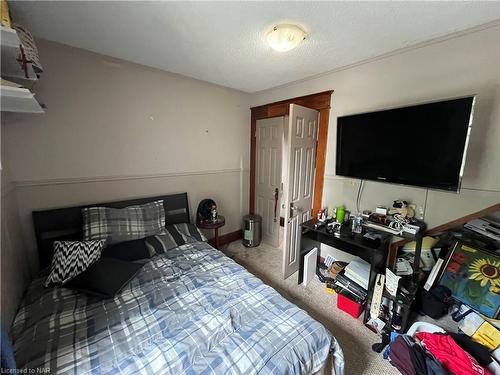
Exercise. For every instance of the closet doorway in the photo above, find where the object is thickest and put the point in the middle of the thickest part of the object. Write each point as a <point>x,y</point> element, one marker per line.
<point>269,181</point>
<point>288,147</point>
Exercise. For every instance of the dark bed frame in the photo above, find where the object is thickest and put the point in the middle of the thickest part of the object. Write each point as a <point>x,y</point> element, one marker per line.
<point>66,224</point>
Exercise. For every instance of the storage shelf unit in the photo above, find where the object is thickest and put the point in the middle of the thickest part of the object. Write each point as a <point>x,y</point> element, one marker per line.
<point>16,99</point>
<point>9,37</point>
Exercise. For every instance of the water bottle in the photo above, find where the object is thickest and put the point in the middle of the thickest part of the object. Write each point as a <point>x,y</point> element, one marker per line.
<point>340,214</point>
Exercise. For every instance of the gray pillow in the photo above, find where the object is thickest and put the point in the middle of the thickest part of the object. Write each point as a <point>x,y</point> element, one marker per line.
<point>117,225</point>
<point>174,235</point>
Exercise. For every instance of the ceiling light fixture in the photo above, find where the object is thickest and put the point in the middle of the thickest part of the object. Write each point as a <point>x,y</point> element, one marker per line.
<point>285,37</point>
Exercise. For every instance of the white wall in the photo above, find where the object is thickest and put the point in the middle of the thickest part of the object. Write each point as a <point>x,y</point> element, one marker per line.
<point>15,273</point>
<point>115,130</point>
<point>107,117</point>
<point>468,64</point>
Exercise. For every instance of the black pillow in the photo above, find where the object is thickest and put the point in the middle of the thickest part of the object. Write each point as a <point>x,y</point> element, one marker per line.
<point>104,278</point>
<point>129,250</point>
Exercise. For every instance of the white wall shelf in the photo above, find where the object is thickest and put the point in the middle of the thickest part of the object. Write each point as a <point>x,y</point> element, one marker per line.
<point>9,37</point>
<point>18,99</point>
<point>11,52</point>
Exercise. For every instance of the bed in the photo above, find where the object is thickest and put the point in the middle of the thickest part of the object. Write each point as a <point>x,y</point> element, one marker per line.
<point>191,310</point>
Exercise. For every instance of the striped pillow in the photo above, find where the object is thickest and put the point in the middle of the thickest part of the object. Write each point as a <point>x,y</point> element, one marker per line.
<point>174,235</point>
<point>117,225</point>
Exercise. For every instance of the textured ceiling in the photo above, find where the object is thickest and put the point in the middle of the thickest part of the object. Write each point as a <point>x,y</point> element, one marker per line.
<point>224,42</point>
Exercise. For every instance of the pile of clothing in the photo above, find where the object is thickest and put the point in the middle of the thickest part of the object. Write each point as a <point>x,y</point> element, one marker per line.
<point>439,354</point>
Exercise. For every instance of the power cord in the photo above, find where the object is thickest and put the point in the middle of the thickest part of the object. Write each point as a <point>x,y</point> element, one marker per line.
<point>422,214</point>
<point>398,222</point>
<point>358,196</point>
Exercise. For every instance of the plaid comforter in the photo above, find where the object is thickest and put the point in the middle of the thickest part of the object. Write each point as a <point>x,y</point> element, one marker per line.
<point>189,311</point>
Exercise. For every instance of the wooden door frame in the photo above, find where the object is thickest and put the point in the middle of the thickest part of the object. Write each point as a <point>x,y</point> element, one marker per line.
<point>320,102</point>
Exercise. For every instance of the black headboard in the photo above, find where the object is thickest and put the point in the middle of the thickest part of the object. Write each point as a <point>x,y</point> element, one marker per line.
<point>66,224</point>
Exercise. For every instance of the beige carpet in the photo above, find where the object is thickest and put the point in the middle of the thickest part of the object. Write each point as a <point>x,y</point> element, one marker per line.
<point>356,340</point>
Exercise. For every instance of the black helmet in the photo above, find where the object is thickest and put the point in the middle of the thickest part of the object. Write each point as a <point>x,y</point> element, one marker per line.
<point>204,210</point>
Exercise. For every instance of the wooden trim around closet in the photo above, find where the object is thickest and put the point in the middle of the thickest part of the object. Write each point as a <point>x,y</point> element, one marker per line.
<point>320,102</point>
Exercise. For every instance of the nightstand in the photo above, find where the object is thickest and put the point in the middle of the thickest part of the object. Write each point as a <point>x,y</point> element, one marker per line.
<point>215,225</point>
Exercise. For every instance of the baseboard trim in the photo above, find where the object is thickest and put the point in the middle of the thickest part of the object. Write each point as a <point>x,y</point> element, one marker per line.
<point>227,238</point>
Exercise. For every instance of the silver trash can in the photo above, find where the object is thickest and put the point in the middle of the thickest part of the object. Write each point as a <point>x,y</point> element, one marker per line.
<point>252,229</point>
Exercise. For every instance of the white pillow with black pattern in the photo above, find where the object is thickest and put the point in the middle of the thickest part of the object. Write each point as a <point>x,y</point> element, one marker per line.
<point>71,258</point>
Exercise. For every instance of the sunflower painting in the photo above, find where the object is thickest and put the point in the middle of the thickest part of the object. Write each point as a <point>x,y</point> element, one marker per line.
<point>473,276</point>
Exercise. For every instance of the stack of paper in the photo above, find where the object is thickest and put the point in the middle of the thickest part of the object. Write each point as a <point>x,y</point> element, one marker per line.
<point>359,272</point>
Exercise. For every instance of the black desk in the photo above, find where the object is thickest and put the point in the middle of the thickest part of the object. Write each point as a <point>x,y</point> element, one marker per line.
<point>354,244</point>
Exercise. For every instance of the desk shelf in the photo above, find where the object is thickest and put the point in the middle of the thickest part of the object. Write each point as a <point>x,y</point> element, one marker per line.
<point>374,253</point>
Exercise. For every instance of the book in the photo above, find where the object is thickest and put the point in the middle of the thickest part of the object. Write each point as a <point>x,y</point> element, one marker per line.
<point>310,260</point>
<point>342,282</point>
<point>433,275</point>
<point>361,282</point>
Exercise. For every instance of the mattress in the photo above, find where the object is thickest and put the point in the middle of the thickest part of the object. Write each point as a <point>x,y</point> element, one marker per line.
<point>190,311</point>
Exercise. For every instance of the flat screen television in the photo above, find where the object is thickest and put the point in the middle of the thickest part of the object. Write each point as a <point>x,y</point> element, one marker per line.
<point>421,145</point>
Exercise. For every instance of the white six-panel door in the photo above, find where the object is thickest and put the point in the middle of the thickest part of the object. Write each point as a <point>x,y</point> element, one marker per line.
<point>269,140</point>
<point>302,134</point>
